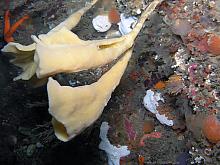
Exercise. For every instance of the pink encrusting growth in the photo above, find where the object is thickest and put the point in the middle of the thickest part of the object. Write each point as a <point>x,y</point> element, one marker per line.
<point>130,130</point>
<point>156,135</point>
<point>191,71</point>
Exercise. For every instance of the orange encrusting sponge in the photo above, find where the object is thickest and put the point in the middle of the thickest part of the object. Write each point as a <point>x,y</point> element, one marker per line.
<point>211,128</point>
<point>214,45</point>
<point>114,16</point>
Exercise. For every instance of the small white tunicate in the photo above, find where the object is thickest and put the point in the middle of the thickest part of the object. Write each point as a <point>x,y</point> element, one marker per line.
<point>138,11</point>
<point>101,23</point>
<point>164,120</point>
<point>126,24</point>
<point>114,153</point>
<point>151,101</point>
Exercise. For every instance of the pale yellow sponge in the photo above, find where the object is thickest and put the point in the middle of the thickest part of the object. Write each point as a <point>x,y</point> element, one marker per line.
<point>75,108</point>
<point>64,52</point>
<point>24,55</point>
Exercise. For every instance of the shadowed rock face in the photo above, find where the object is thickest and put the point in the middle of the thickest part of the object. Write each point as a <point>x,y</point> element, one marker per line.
<point>2,76</point>
<point>4,68</point>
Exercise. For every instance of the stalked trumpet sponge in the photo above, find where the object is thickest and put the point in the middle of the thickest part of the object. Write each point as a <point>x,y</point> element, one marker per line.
<point>74,54</point>
<point>24,58</point>
<point>60,50</point>
<point>75,108</point>
<point>24,55</point>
